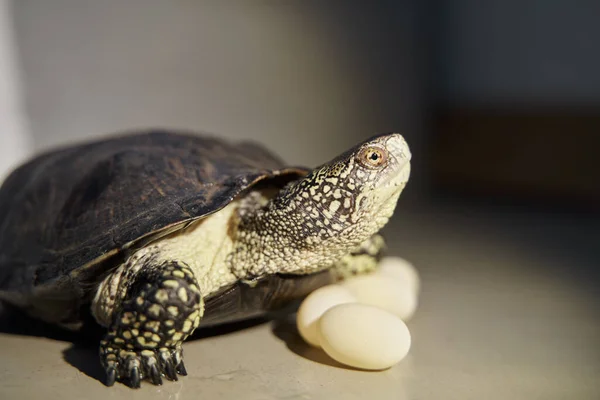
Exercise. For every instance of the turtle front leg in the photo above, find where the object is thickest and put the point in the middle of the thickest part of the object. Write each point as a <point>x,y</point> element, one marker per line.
<point>155,308</point>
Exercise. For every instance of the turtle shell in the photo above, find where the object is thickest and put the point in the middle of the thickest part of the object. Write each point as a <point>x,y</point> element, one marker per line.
<point>67,215</point>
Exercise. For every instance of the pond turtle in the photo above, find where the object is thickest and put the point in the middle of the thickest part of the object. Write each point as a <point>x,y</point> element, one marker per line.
<point>155,233</point>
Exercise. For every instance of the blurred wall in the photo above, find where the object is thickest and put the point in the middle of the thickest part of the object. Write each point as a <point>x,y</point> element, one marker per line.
<point>516,91</point>
<point>310,78</point>
<point>516,51</point>
<point>14,135</point>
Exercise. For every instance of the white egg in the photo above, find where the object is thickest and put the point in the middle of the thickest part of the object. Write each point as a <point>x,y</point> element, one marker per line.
<point>363,336</point>
<point>401,269</point>
<point>387,292</point>
<point>315,305</point>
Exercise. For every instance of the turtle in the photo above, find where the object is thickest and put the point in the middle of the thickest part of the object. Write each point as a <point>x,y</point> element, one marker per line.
<point>153,233</point>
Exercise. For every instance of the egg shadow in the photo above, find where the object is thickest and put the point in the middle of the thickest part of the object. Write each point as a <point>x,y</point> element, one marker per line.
<point>284,328</point>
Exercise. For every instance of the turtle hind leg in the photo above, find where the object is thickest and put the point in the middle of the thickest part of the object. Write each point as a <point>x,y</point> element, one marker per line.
<point>361,260</point>
<point>161,308</point>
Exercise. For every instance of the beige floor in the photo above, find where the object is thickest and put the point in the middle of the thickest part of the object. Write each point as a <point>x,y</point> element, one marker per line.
<point>509,310</point>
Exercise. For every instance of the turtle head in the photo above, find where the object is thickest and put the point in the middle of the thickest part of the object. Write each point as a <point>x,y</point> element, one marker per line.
<point>356,193</point>
<point>315,221</point>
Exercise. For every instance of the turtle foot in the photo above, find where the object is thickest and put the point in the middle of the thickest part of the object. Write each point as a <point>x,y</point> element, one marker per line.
<point>133,366</point>
<point>144,341</point>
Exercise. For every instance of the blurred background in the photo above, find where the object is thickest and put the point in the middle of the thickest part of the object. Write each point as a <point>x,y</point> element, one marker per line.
<point>499,100</point>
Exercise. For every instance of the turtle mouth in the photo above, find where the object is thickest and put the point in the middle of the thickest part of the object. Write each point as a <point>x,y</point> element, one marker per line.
<point>401,172</point>
<point>394,184</point>
<point>398,169</point>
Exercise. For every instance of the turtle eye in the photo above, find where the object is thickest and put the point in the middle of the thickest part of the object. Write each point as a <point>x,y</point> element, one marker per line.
<point>372,157</point>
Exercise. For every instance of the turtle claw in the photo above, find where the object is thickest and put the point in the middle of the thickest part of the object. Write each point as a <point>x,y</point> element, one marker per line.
<point>134,378</point>
<point>111,375</point>
<point>133,366</point>
<point>155,376</point>
<point>170,370</point>
<point>181,369</point>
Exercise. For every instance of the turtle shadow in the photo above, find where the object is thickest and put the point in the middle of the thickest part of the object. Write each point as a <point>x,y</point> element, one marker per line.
<point>223,329</point>
<point>284,328</point>
<point>15,322</point>
<point>84,357</point>
<point>81,354</point>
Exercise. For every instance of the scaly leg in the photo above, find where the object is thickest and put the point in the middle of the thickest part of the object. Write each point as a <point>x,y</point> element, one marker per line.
<point>155,307</point>
<point>363,259</point>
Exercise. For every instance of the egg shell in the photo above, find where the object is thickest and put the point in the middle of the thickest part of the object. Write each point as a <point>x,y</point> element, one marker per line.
<point>363,336</point>
<point>400,269</point>
<point>387,292</point>
<point>314,305</point>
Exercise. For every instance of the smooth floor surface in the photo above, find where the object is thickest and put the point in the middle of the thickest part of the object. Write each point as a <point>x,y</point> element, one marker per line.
<point>509,310</point>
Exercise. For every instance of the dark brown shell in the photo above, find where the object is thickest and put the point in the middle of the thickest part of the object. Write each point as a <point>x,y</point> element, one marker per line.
<point>65,210</point>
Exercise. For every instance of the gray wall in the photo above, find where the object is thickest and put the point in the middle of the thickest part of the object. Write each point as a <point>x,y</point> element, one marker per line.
<point>14,138</point>
<point>308,77</point>
<point>532,51</point>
